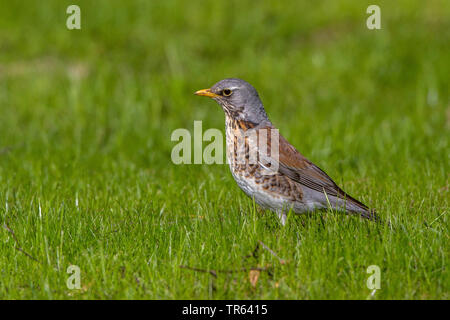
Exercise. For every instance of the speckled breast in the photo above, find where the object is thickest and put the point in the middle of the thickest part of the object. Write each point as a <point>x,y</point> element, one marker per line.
<point>268,190</point>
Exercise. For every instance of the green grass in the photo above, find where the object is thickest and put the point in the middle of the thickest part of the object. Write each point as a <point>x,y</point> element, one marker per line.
<point>86,176</point>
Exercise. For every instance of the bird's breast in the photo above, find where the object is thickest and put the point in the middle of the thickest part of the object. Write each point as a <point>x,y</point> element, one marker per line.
<point>269,189</point>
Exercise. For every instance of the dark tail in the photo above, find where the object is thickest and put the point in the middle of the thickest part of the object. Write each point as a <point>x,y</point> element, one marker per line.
<point>360,208</point>
<point>371,215</point>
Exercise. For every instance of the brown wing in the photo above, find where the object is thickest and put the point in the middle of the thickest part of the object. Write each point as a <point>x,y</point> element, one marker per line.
<point>295,166</point>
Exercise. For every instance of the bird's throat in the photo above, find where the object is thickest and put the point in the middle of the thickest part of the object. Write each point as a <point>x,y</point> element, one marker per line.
<point>239,124</point>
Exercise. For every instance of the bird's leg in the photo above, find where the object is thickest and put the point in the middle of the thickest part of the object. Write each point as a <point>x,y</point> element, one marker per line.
<point>282,215</point>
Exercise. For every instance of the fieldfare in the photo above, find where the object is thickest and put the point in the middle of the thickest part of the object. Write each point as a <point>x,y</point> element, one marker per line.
<point>270,170</point>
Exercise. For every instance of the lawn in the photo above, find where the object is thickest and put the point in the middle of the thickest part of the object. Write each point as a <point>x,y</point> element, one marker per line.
<point>86,176</point>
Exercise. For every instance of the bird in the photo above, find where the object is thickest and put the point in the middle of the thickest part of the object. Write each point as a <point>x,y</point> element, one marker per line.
<point>266,166</point>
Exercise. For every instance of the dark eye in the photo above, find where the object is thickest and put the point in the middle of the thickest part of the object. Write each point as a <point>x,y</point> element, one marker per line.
<point>226,92</point>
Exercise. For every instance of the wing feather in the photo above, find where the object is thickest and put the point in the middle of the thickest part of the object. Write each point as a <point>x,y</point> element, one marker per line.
<point>294,165</point>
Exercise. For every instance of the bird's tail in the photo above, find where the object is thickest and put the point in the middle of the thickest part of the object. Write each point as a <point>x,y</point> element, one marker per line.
<point>357,207</point>
<point>371,215</point>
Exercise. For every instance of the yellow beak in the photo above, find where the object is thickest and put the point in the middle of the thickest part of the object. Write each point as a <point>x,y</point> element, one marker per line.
<point>207,93</point>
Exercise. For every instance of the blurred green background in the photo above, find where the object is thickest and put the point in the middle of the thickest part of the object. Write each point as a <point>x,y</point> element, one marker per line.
<point>86,117</point>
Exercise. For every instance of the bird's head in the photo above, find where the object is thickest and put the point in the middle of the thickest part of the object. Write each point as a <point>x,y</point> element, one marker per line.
<point>238,99</point>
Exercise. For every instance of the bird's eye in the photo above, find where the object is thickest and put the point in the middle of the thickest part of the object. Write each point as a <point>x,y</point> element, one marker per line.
<point>226,92</point>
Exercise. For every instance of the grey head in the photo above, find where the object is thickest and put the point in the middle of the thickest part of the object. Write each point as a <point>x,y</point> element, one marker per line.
<point>238,100</point>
